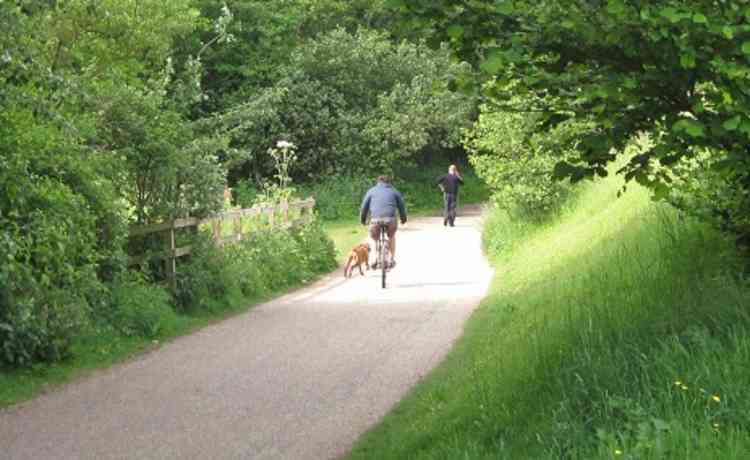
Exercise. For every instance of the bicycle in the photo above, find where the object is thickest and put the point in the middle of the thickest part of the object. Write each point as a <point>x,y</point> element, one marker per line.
<point>381,250</point>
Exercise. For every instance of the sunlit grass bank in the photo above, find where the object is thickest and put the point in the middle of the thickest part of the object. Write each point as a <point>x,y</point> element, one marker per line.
<point>621,330</point>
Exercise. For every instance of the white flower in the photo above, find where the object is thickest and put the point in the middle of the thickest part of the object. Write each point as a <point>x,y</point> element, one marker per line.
<point>284,145</point>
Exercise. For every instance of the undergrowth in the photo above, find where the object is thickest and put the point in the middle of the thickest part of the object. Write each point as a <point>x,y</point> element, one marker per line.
<point>212,284</point>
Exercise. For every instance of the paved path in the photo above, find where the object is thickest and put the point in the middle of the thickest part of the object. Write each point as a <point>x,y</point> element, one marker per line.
<point>296,378</point>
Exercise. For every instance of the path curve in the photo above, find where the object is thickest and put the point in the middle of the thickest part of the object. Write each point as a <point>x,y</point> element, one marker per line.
<point>300,377</point>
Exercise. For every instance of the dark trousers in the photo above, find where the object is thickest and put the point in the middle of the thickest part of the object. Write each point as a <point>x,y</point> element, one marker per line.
<point>449,212</point>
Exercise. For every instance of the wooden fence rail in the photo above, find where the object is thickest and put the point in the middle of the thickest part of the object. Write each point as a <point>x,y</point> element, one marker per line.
<point>277,216</point>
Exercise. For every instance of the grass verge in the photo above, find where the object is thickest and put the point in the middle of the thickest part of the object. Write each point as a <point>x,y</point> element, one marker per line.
<point>621,330</point>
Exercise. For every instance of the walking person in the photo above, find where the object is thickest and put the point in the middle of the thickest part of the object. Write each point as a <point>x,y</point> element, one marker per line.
<point>449,185</point>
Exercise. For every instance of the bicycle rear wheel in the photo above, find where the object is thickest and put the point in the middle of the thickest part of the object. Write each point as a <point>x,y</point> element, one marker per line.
<point>383,254</point>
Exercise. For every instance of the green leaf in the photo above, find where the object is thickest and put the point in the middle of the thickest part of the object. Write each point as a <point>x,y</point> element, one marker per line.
<point>505,7</point>
<point>687,60</point>
<point>455,31</point>
<point>746,47</point>
<point>724,166</point>
<point>395,4</point>
<point>699,18</point>
<point>563,170</point>
<point>493,63</point>
<point>616,7</point>
<point>691,127</point>
<point>660,192</point>
<point>733,123</point>
<point>671,14</point>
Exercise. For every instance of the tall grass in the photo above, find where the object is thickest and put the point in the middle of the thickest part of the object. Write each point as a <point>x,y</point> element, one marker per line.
<point>621,330</point>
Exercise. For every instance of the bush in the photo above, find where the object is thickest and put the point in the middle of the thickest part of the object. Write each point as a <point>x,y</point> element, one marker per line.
<point>317,251</point>
<point>705,187</point>
<point>338,197</point>
<point>352,103</point>
<point>517,159</point>
<point>204,282</point>
<point>244,193</point>
<point>139,308</point>
<point>59,235</point>
<point>268,261</point>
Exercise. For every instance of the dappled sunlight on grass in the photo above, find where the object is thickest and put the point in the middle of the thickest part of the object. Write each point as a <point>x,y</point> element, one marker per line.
<point>590,319</point>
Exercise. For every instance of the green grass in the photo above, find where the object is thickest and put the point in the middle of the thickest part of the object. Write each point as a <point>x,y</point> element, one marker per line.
<point>576,353</point>
<point>345,234</point>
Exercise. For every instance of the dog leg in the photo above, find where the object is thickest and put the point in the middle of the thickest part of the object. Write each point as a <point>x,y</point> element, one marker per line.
<point>347,272</point>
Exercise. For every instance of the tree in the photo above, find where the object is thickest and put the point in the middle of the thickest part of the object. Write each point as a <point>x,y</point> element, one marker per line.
<point>266,33</point>
<point>676,70</point>
<point>351,103</point>
<point>88,134</point>
<point>516,157</point>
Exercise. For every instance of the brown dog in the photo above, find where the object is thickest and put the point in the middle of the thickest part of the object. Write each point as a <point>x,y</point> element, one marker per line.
<point>359,255</point>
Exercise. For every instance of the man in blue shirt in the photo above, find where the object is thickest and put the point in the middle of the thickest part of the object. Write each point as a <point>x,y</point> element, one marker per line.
<point>381,203</point>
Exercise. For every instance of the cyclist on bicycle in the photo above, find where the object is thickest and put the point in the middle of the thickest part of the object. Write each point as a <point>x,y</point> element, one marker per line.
<point>381,203</point>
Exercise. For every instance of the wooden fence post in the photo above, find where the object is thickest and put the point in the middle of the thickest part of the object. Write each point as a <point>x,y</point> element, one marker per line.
<point>216,226</point>
<point>169,229</point>
<point>285,211</point>
<point>308,210</point>
<point>237,222</point>
<point>171,260</point>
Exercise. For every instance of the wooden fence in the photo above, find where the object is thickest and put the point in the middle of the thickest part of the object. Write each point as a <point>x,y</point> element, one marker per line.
<point>284,215</point>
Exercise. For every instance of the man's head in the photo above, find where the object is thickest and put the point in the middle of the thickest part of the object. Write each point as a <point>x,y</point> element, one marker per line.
<point>452,169</point>
<point>384,179</point>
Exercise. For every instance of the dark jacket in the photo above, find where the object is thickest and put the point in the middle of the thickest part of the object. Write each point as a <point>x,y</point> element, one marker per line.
<point>450,183</point>
<point>382,201</point>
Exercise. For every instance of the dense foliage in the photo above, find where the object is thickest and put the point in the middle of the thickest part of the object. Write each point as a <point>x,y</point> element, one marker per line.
<point>516,156</point>
<point>351,102</point>
<point>108,117</point>
<point>676,70</point>
<point>265,35</point>
<point>214,279</point>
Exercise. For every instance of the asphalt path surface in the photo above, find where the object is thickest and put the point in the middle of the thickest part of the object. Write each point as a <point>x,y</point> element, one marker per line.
<point>300,377</point>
